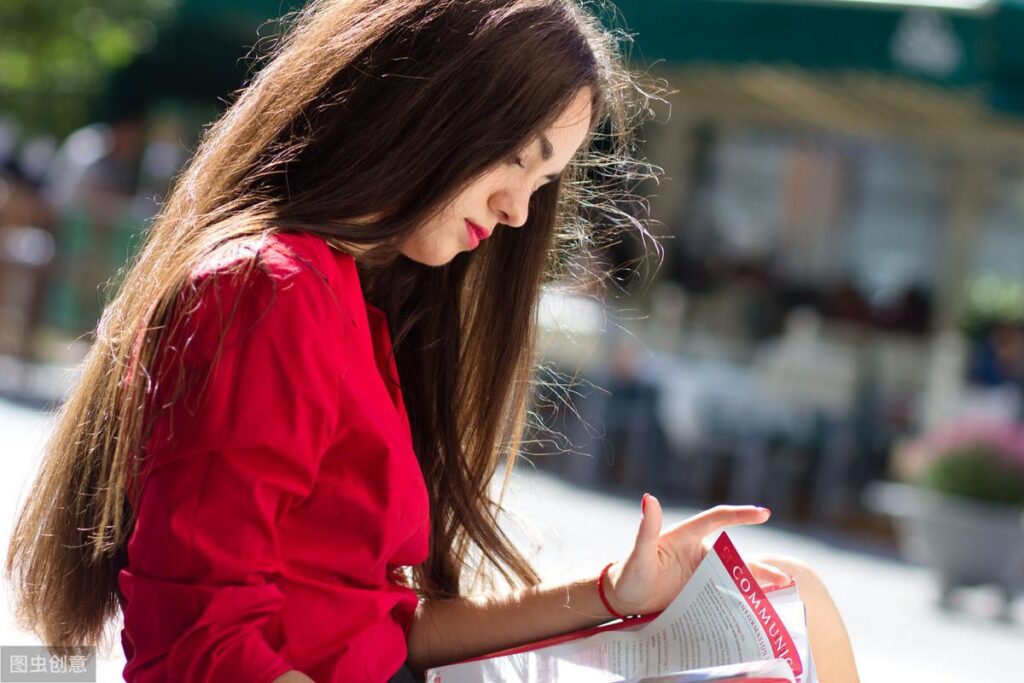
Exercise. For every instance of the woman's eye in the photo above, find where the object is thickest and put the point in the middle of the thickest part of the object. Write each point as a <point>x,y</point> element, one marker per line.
<point>519,162</point>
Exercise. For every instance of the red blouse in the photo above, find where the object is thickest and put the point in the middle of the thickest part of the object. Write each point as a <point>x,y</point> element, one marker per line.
<point>274,515</point>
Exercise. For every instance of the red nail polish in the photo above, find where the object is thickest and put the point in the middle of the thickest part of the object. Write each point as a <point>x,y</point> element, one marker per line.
<point>643,504</point>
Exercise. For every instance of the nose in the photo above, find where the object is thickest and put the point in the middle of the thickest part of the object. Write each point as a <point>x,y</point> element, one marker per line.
<point>512,205</point>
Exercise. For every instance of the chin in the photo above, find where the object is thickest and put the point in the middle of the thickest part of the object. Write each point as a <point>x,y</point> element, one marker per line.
<point>435,257</point>
<point>432,260</point>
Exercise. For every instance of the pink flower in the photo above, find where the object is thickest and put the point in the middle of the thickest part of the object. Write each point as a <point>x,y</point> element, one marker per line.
<point>1003,439</point>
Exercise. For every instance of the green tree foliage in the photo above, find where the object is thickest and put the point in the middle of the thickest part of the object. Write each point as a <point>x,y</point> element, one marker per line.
<point>55,55</point>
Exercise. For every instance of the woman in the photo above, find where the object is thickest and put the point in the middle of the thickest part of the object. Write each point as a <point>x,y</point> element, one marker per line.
<point>238,469</point>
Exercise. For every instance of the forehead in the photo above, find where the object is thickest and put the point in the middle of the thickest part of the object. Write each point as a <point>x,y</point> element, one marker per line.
<point>563,137</point>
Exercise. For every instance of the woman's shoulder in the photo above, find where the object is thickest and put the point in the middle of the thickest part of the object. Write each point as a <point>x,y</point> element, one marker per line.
<point>289,259</point>
<point>279,283</point>
<point>282,255</point>
<point>288,256</point>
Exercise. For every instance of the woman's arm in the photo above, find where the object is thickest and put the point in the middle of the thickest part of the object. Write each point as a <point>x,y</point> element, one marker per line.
<point>445,631</point>
<point>647,581</point>
<point>223,466</point>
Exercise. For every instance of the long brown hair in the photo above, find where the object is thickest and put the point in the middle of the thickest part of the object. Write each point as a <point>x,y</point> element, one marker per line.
<point>366,118</point>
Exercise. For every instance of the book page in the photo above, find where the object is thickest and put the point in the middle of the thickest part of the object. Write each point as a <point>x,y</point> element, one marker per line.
<point>720,617</point>
<point>791,610</point>
<point>773,671</point>
<point>728,614</point>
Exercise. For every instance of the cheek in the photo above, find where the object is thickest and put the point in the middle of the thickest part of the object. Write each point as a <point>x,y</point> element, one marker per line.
<point>474,198</point>
<point>428,232</point>
<point>434,244</point>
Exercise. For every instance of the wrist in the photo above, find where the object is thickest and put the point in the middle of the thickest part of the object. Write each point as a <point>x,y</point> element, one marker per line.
<point>606,592</point>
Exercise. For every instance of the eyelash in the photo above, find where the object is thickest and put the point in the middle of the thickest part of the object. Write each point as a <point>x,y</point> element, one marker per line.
<point>518,161</point>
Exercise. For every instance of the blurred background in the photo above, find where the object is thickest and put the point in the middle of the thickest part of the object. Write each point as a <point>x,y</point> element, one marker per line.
<point>836,330</point>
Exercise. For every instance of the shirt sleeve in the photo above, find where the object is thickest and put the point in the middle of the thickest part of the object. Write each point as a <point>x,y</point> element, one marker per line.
<point>225,461</point>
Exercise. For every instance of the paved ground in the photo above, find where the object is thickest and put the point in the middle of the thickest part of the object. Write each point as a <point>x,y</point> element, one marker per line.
<point>889,606</point>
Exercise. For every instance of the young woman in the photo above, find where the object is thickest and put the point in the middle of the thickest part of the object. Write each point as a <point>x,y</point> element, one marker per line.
<point>239,470</point>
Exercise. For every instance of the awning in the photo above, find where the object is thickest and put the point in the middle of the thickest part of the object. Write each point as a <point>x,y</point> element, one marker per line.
<point>948,71</point>
<point>927,42</point>
<point>199,56</point>
<point>966,44</point>
<point>973,44</point>
<point>976,46</point>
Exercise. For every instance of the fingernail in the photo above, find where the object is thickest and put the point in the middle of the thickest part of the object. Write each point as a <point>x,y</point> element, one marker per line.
<point>643,503</point>
<point>761,507</point>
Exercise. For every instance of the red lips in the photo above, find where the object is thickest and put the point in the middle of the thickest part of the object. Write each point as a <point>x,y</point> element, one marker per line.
<point>478,231</point>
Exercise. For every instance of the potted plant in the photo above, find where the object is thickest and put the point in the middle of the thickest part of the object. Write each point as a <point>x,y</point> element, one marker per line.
<point>960,506</point>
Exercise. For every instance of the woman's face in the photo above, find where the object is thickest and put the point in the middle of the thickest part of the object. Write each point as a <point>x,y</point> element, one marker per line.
<point>501,196</point>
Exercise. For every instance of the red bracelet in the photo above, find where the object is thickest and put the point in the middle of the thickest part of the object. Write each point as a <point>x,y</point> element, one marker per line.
<point>600,591</point>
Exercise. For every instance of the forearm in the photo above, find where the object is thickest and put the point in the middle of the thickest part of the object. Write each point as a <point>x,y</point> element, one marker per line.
<point>446,631</point>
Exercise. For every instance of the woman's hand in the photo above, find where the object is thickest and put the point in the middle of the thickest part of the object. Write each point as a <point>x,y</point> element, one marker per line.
<point>660,564</point>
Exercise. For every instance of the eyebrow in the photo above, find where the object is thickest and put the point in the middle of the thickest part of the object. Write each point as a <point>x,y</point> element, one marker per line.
<point>547,150</point>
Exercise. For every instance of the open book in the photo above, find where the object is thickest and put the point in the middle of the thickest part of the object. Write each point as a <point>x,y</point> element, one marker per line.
<point>721,627</point>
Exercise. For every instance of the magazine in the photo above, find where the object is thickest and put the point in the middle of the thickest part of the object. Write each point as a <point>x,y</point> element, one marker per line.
<point>721,627</point>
